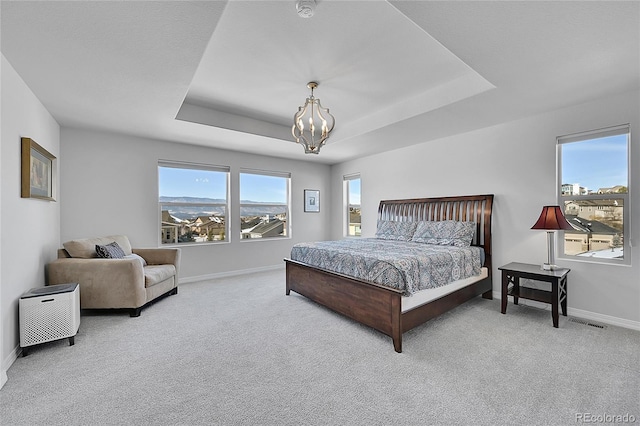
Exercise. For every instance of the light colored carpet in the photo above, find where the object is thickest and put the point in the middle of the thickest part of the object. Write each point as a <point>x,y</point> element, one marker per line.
<point>237,351</point>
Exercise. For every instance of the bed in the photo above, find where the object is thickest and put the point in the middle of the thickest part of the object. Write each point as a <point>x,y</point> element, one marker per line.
<point>390,310</point>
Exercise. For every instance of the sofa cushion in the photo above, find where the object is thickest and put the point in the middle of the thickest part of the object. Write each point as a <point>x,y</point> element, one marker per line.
<point>86,248</point>
<point>154,274</point>
<point>110,251</point>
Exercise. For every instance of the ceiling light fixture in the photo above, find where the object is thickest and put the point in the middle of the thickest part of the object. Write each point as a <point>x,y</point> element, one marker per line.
<point>312,124</point>
<point>306,8</point>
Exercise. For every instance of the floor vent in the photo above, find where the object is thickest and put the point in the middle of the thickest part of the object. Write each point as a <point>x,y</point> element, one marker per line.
<point>583,322</point>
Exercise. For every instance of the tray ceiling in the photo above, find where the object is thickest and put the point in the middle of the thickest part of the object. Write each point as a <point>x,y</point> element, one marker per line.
<point>231,74</point>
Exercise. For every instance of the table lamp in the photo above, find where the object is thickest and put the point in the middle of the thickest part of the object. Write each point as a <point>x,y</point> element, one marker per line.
<point>551,219</point>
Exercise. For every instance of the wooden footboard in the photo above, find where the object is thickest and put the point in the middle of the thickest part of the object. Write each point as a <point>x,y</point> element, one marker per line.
<point>421,314</point>
<point>380,307</point>
<point>370,304</point>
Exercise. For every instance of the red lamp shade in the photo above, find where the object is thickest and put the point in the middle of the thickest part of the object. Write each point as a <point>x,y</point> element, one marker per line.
<point>551,219</point>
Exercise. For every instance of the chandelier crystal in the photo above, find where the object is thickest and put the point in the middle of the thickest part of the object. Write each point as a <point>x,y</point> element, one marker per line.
<point>312,124</point>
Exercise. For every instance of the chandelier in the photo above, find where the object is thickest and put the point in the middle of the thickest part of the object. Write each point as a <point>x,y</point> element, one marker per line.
<point>312,124</point>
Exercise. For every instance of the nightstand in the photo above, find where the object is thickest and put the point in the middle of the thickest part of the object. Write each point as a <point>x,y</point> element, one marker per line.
<point>512,273</point>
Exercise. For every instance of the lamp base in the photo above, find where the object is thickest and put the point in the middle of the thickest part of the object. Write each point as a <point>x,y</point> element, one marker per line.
<point>549,267</point>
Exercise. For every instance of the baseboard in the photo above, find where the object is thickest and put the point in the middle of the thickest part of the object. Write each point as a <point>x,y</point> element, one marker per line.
<point>8,362</point>
<point>580,313</point>
<point>230,274</point>
<point>607,319</point>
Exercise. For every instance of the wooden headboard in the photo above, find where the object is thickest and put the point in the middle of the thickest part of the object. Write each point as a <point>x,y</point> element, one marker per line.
<point>466,208</point>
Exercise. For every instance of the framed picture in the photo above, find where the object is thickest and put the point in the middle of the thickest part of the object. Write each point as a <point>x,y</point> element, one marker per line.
<point>311,200</point>
<point>37,171</point>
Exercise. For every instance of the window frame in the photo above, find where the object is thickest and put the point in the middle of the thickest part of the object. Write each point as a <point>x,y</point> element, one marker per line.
<point>285,175</point>
<point>346,205</point>
<point>226,205</point>
<point>623,129</point>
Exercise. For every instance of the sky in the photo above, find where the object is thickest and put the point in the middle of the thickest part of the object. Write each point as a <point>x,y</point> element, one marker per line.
<point>597,163</point>
<point>354,191</point>
<point>175,182</point>
<point>263,188</point>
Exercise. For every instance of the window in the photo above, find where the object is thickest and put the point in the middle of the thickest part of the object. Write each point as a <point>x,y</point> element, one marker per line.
<point>352,205</point>
<point>593,173</point>
<point>264,204</point>
<point>193,201</point>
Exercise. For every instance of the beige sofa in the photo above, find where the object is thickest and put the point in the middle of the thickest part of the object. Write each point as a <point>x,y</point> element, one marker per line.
<point>132,282</point>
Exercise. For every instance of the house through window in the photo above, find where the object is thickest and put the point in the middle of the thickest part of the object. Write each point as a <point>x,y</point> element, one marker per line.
<point>352,205</point>
<point>264,204</point>
<point>593,173</point>
<point>193,203</point>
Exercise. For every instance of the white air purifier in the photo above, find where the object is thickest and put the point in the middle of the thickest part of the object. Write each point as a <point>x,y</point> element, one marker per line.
<point>49,313</point>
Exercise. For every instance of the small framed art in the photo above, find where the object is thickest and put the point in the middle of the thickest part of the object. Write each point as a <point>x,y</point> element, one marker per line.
<point>311,200</point>
<point>37,171</point>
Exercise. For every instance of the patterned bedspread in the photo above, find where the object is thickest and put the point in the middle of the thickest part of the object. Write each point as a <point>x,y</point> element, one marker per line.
<point>403,265</point>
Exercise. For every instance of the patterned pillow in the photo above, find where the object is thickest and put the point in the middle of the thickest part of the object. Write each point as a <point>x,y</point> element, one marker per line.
<point>110,251</point>
<point>445,233</point>
<point>392,230</point>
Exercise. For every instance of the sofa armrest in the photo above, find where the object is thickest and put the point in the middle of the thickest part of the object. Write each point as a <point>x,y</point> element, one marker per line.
<point>104,283</point>
<point>160,256</point>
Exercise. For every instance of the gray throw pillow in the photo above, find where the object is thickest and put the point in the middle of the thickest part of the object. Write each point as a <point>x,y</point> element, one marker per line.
<point>445,233</point>
<point>110,251</point>
<point>393,230</point>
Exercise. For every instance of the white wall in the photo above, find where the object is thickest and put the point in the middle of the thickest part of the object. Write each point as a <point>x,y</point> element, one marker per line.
<point>29,227</point>
<point>3,372</point>
<point>109,185</point>
<point>516,161</point>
